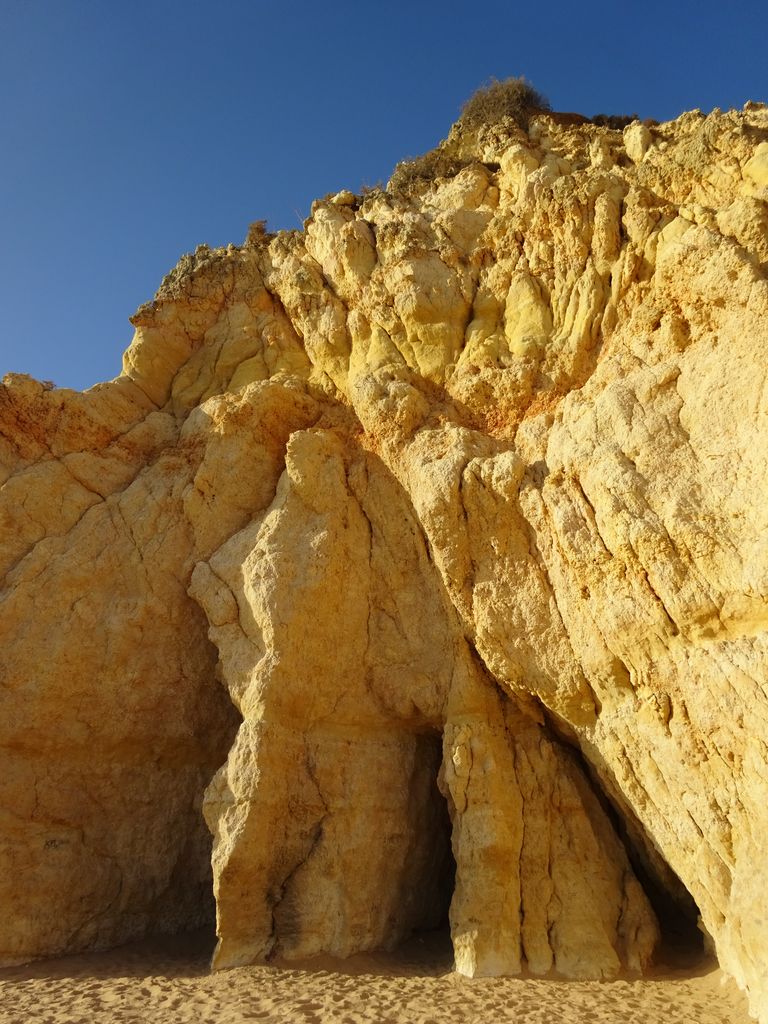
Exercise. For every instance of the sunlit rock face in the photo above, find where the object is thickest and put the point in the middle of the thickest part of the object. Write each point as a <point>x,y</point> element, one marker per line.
<point>421,555</point>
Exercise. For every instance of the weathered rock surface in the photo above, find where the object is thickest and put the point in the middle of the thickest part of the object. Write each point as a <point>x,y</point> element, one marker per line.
<point>347,667</point>
<point>465,484</point>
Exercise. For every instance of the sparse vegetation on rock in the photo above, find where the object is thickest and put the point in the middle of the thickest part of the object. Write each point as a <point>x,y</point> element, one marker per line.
<point>513,98</point>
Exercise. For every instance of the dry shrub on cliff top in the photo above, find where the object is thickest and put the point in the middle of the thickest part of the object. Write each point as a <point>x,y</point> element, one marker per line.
<point>514,98</point>
<point>434,164</point>
<point>615,121</point>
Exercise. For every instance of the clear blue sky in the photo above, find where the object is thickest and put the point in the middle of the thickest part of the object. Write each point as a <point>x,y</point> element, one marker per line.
<point>132,131</point>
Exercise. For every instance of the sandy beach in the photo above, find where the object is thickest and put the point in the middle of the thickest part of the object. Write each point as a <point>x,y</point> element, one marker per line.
<point>168,982</point>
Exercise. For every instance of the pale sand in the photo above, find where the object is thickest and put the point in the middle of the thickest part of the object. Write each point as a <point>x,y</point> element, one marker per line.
<point>168,983</point>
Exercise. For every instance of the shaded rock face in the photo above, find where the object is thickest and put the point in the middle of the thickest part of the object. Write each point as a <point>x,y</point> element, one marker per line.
<point>457,493</point>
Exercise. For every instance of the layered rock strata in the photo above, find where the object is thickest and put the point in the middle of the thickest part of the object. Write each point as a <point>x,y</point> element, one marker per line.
<point>458,493</point>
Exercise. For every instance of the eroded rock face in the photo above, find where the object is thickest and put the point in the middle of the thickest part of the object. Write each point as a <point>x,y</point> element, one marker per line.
<point>463,483</point>
<point>340,650</point>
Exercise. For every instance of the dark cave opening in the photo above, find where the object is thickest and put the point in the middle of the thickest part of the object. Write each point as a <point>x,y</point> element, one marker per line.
<point>682,945</point>
<point>430,937</point>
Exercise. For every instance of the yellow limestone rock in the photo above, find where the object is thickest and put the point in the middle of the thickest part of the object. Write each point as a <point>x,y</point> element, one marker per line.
<point>464,483</point>
<point>347,668</point>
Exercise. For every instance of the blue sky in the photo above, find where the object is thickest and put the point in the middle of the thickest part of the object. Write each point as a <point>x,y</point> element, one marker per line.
<point>131,132</point>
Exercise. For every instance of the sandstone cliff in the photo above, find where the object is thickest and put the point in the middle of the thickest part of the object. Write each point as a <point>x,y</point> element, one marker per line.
<point>460,494</point>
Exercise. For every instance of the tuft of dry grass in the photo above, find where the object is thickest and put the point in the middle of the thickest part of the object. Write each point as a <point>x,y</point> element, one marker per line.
<point>434,164</point>
<point>617,121</point>
<point>257,237</point>
<point>513,98</point>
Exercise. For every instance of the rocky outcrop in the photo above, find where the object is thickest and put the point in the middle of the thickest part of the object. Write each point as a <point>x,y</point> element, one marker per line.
<point>457,492</point>
<point>339,650</point>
